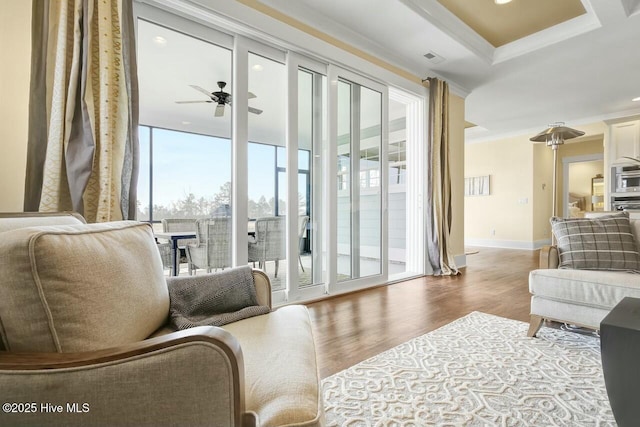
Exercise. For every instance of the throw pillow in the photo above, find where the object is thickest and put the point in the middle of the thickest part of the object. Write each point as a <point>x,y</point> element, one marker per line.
<point>603,243</point>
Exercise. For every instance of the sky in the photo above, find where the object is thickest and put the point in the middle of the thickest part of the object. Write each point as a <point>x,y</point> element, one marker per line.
<point>186,163</point>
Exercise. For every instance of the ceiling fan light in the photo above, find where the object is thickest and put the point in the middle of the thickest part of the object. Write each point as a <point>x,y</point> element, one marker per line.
<point>636,99</point>
<point>502,1</point>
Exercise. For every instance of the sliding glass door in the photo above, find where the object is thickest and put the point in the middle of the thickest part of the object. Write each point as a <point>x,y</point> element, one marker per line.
<point>185,129</point>
<point>360,183</point>
<point>267,201</point>
<point>295,153</point>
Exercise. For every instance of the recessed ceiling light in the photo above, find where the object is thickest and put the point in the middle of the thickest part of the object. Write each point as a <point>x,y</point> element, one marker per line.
<point>160,40</point>
<point>257,67</point>
<point>636,99</point>
<point>186,123</point>
<point>502,1</point>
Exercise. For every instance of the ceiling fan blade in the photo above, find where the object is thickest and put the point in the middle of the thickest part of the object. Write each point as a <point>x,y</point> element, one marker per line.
<point>219,110</point>
<point>199,89</point>
<point>192,102</point>
<point>255,110</point>
<point>252,95</point>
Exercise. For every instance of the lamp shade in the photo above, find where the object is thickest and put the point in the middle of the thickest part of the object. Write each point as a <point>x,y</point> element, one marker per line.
<point>557,132</point>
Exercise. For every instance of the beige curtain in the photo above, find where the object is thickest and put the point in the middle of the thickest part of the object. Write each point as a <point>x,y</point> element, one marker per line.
<point>439,181</point>
<point>83,144</point>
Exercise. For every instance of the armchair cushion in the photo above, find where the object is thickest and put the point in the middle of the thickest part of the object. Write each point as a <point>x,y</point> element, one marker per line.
<point>602,289</point>
<point>282,384</point>
<point>603,243</point>
<point>74,288</point>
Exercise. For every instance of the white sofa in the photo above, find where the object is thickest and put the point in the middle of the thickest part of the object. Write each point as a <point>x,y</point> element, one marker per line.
<point>83,320</point>
<point>578,297</point>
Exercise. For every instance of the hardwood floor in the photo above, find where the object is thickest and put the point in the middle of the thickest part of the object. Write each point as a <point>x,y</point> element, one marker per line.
<point>351,328</point>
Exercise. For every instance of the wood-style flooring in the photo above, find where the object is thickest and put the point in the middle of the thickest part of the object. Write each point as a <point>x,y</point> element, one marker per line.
<point>353,327</point>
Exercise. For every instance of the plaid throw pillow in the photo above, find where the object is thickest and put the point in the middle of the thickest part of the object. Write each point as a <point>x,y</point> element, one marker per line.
<point>603,243</point>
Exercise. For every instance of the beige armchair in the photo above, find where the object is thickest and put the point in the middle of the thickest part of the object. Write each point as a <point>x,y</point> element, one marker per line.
<point>85,334</point>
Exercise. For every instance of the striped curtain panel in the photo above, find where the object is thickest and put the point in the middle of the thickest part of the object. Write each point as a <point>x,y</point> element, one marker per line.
<point>82,152</point>
<point>439,181</point>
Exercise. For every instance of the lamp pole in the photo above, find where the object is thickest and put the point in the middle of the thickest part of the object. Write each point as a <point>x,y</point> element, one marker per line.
<point>554,207</point>
<point>554,136</point>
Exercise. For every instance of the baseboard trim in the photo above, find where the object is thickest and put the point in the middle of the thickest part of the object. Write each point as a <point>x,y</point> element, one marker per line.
<point>507,244</point>
<point>540,243</point>
<point>460,260</point>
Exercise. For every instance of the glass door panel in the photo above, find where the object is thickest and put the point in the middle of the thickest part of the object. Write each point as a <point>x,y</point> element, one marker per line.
<point>370,147</point>
<point>397,153</point>
<point>311,198</point>
<point>359,181</point>
<point>267,184</point>
<point>305,271</point>
<point>344,267</point>
<point>184,132</point>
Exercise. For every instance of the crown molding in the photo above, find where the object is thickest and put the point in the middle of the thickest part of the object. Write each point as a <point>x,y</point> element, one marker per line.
<point>558,33</point>
<point>317,20</point>
<point>474,135</point>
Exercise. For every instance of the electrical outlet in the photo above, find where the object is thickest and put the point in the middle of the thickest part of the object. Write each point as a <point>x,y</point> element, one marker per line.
<point>493,232</point>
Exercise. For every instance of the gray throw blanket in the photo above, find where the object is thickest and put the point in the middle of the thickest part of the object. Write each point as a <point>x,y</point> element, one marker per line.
<point>213,300</point>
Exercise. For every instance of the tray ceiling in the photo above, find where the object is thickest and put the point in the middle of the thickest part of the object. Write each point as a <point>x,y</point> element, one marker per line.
<point>502,24</point>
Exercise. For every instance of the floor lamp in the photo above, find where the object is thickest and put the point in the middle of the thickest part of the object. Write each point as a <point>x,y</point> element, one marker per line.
<point>554,137</point>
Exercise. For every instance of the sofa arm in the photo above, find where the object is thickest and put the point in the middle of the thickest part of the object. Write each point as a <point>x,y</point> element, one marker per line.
<point>549,257</point>
<point>190,377</point>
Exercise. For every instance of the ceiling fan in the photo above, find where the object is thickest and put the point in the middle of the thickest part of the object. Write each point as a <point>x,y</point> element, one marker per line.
<point>220,97</point>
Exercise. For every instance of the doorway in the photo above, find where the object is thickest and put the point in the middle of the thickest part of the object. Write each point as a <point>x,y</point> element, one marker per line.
<point>583,185</point>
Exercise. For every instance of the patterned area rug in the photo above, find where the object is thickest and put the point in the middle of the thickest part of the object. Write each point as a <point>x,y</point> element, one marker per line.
<point>480,370</point>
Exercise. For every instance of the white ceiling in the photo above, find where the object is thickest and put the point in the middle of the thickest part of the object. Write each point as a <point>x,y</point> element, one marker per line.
<point>581,71</point>
<point>170,62</point>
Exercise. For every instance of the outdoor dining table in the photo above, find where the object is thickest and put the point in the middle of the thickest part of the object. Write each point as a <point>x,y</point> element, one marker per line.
<point>174,236</point>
